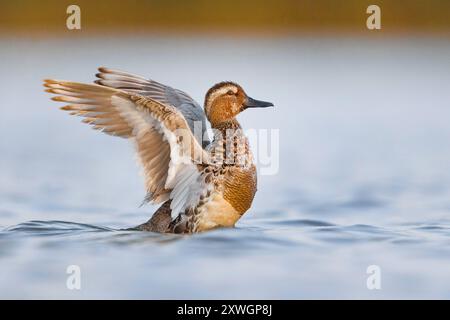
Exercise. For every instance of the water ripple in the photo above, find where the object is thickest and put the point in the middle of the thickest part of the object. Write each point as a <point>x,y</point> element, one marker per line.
<point>263,234</point>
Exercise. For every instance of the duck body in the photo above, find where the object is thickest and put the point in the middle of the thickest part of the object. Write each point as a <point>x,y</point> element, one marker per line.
<point>201,185</point>
<point>230,188</point>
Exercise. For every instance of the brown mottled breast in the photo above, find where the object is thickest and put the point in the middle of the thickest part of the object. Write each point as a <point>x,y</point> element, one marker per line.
<point>240,188</point>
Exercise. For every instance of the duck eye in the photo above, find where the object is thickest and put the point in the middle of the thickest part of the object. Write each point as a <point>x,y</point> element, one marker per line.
<point>230,92</point>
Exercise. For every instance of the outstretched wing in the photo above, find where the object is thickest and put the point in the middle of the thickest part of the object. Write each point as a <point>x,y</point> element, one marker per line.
<point>135,84</point>
<point>167,149</point>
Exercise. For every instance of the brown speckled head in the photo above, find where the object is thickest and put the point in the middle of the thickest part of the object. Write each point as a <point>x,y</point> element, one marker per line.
<point>225,100</point>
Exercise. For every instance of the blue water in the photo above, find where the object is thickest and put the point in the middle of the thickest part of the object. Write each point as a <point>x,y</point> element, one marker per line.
<point>363,174</point>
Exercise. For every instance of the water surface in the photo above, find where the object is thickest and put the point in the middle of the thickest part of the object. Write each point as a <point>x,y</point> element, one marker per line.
<point>363,173</point>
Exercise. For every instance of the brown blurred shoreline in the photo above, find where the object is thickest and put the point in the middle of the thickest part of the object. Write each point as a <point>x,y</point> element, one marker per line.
<point>282,18</point>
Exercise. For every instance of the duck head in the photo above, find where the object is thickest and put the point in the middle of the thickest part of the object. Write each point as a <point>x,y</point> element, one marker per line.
<point>225,100</point>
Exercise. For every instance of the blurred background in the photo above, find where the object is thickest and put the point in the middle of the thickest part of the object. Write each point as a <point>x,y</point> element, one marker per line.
<point>271,17</point>
<point>364,150</point>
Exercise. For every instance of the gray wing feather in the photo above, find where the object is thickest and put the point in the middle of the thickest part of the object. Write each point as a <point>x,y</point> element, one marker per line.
<point>190,109</point>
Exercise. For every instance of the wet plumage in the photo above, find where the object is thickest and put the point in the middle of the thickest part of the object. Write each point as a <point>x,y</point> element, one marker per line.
<point>201,184</point>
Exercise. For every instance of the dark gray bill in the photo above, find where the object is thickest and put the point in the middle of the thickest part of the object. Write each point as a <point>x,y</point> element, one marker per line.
<point>253,103</point>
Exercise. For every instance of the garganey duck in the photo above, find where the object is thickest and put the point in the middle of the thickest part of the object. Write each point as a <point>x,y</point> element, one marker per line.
<point>201,184</point>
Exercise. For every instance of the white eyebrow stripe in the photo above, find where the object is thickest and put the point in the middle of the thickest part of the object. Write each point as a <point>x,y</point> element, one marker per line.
<point>221,91</point>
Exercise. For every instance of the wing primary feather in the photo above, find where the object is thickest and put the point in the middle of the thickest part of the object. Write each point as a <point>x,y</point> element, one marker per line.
<point>151,121</point>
